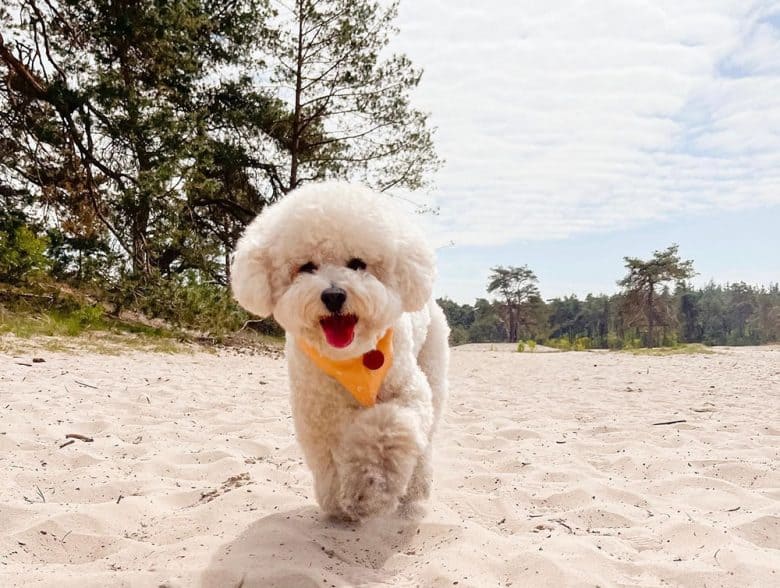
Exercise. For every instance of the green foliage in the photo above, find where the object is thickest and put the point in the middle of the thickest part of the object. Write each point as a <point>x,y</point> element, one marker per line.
<point>480,323</point>
<point>22,254</point>
<point>581,344</point>
<point>96,331</point>
<point>614,342</point>
<point>643,305</point>
<point>566,344</point>
<point>669,339</point>
<point>184,301</point>
<point>107,125</point>
<point>350,112</point>
<point>523,345</point>
<point>81,260</point>
<point>143,164</point>
<point>488,325</point>
<point>458,336</point>
<point>734,314</point>
<point>65,321</point>
<point>561,343</point>
<point>87,317</point>
<point>518,296</point>
<point>458,315</point>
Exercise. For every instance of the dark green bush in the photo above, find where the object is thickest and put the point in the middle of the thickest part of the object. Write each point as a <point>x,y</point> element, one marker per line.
<point>186,302</point>
<point>22,254</point>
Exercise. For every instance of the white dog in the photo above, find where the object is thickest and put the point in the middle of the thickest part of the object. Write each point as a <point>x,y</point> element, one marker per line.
<point>350,279</point>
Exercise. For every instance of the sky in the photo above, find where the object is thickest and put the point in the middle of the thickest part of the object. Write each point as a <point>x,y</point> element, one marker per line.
<point>579,132</point>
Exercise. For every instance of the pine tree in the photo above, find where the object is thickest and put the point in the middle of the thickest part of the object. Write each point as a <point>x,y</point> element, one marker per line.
<point>351,111</point>
<point>519,295</point>
<point>106,108</point>
<point>643,302</point>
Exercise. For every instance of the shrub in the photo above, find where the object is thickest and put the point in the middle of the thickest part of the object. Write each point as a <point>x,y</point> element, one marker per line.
<point>85,318</point>
<point>520,346</point>
<point>186,302</point>
<point>60,320</point>
<point>22,254</point>
<point>531,344</point>
<point>582,344</point>
<point>458,336</point>
<point>561,343</point>
<point>632,342</point>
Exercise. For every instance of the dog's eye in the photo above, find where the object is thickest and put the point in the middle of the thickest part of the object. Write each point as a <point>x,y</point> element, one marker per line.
<point>356,264</point>
<point>307,268</point>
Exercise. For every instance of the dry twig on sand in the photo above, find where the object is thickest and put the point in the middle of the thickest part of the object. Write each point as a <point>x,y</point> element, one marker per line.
<point>670,422</point>
<point>79,437</point>
<point>86,385</point>
<point>40,494</point>
<point>563,524</point>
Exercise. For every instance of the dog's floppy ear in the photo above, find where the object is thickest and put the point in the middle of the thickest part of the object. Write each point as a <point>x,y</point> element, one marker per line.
<point>415,270</point>
<point>250,273</point>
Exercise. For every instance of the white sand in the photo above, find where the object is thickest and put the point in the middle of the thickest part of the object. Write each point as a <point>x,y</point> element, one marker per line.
<point>548,472</point>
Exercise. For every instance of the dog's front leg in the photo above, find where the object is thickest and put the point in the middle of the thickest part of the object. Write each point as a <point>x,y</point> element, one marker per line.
<point>380,449</point>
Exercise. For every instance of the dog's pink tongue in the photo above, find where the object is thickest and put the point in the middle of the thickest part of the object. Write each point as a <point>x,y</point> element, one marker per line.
<point>339,329</point>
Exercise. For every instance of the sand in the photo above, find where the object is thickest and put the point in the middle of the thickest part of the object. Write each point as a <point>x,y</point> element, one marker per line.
<point>549,472</point>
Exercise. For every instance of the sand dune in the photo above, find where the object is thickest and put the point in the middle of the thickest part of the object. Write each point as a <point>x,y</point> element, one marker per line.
<point>549,472</point>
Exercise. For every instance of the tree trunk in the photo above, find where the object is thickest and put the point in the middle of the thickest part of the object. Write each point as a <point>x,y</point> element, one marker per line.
<point>650,315</point>
<point>139,225</point>
<point>510,320</point>
<point>140,209</point>
<point>296,130</point>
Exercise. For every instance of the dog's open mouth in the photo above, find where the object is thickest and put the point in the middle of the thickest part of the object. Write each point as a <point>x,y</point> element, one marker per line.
<point>339,329</point>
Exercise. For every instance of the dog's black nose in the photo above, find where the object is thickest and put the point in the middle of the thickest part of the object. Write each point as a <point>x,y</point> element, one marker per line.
<point>333,298</point>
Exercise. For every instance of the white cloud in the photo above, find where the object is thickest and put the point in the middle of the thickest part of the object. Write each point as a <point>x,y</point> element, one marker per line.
<point>564,117</point>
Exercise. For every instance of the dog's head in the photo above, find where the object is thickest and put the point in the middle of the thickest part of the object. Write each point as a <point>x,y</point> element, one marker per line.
<point>336,264</point>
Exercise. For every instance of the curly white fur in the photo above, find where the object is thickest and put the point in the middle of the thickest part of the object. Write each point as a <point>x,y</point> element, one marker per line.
<point>365,460</point>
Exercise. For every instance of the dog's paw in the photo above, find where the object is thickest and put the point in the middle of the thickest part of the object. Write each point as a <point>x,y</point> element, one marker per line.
<point>375,461</point>
<point>411,511</point>
<point>366,491</point>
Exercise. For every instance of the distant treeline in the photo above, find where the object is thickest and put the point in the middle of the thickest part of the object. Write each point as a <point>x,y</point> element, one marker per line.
<point>731,314</point>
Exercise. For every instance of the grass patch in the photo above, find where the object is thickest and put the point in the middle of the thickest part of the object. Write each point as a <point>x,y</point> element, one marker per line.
<point>175,317</point>
<point>89,328</point>
<point>85,328</point>
<point>687,349</point>
<point>73,323</point>
<point>102,343</point>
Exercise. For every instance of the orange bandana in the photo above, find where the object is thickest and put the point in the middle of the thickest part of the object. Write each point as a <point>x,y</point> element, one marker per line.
<point>361,376</point>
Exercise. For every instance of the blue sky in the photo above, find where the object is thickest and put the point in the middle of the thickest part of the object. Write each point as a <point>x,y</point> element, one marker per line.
<point>740,246</point>
<point>575,133</point>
